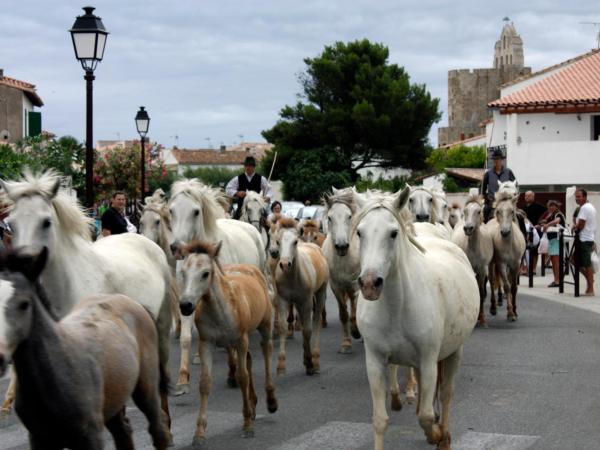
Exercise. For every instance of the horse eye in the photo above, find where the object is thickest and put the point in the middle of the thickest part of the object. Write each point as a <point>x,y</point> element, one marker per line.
<point>46,223</point>
<point>410,200</point>
<point>205,275</point>
<point>358,233</point>
<point>196,212</point>
<point>23,306</point>
<point>157,222</point>
<point>394,234</point>
<point>295,242</point>
<point>430,200</point>
<point>329,219</point>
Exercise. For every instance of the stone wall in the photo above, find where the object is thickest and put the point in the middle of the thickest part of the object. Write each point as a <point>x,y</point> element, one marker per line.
<point>11,112</point>
<point>469,92</point>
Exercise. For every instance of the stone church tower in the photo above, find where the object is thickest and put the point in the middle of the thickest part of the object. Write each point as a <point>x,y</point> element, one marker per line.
<point>470,90</point>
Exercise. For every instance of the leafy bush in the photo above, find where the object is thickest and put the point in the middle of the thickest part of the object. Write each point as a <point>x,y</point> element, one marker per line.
<point>457,156</point>
<point>391,185</point>
<point>213,176</point>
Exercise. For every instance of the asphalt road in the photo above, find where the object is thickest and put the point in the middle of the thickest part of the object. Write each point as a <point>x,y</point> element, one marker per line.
<point>532,384</point>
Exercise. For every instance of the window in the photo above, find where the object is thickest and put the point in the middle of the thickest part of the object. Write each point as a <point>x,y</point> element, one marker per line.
<point>595,128</point>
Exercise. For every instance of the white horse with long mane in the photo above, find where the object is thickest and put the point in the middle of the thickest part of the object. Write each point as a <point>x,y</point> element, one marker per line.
<point>253,212</point>
<point>129,264</point>
<point>418,303</point>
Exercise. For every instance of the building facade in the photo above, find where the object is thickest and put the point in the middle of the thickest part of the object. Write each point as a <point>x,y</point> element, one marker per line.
<point>18,119</point>
<point>470,90</point>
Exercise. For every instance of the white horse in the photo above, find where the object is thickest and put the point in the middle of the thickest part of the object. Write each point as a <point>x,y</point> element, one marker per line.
<point>423,206</point>
<point>253,212</point>
<point>418,304</point>
<point>476,241</point>
<point>441,206</point>
<point>155,224</point>
<point>455,215</point>
<point>126,263</point>
<point>509,247</point>
<point>509,187</point>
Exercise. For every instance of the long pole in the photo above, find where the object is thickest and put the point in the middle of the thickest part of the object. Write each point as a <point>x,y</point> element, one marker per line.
<point>143,165</point>
<point>89,140</point>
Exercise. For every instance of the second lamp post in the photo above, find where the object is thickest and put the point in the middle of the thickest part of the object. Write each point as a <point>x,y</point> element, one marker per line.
<point>142,123</point>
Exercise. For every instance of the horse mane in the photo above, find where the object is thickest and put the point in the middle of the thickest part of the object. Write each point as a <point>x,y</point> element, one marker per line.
<point>71,215</point>
<point>472,198</point>
<point>502,197</point>
<point>455,205</point>
<point>201,248</point>
<point>286,222</point>
<point>211,201</point>
<point>310,223</point>
<point>344,196</point>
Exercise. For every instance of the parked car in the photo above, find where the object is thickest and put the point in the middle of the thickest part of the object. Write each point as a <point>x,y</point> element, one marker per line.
<point>290,209</point>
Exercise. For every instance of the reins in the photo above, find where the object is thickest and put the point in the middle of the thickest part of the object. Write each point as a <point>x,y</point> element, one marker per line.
<point>380,204</point>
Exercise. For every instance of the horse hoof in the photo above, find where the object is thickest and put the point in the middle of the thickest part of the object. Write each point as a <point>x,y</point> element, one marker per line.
<point>435,437</point>
<point>4,415</point>
<point>281,371</point>
<point>310,371</point>
<point>410,399</point>
<point>445,442</point>
<point>355,333</point>
<point>500,302</point>
<point>345,350</point>
<point>493,311</point>
<point>232,383</point>
<point>511,318</point>
<point>196,361</point>
<point>396,403</point>
<point>248,434</point>
<point>272,405</point>
<point>199,442</point>
<point>324,324</point>
<point>181,389</point>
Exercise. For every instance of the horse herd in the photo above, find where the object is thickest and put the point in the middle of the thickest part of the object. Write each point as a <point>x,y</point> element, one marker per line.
<point>408,272</point>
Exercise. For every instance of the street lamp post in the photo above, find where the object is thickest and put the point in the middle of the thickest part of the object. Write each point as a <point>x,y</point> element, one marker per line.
<point>89,39</point>
<point>142,123</point>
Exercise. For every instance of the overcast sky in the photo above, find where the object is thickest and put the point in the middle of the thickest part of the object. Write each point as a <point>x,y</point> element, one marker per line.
<point>218,69</point>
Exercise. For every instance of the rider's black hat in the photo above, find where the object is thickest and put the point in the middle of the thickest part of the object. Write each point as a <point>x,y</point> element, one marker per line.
<point>250,161</point>
<point>497,154</point>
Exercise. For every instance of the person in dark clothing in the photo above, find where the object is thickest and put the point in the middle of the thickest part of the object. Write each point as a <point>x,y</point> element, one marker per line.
<point>534,212</point>
<point>113,219</point>
<point>491,178</point>
<point>247,181</point>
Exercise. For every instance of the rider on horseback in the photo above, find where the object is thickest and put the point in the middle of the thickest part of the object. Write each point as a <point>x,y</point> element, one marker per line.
<point>247,181</point>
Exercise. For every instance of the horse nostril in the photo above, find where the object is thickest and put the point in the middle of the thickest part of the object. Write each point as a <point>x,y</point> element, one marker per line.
<point>378,282</point>
<point>289,264</point>
<point>360,282</point>
<point>186,308</point>
<point>173,247</point>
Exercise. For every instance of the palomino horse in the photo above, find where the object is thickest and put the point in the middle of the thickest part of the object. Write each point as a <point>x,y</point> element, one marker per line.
<point>455,214</point>
<point>341,252</point>
<point>155,224</point>
<point>476,241</point>
<point>409,284</point>
<point>509,246</point>
<point>254,213</point>
<point>126,263</point>
<point>108,341</point>
<point>301,279</point>
<point>229,302</point>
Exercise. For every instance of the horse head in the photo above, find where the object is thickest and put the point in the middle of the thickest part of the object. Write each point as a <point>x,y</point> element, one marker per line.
<point>379,227</point>
<point>287,235</point>
<point>455,214</point>
<point>473,214</point>
<point>340,209</point>
<point>510,187</point>
<point>198,270</point>
<point>18,290</point>
<point>421,204</point>
<point>505,212</point>
<point>253,209</point>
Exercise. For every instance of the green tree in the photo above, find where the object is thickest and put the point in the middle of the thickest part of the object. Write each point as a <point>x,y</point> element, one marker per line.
<point>457,156</point>
<point>13,162</point>
<point>354,101</point>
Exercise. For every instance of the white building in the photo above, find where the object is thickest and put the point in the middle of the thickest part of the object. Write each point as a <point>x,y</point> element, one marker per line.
<point>548,124</point>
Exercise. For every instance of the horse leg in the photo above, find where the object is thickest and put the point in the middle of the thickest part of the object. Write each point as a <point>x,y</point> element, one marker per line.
<point>243,381</point>
<point>205,385</point>
<point>481,284</point>
<point>492,280</point>
<point>411,383</point>
<point>324,318</point>
<point>251,392</point>
<point>306,311</point>
<point>9,398</point>
<point>395,387</point>
<point>343,310</point>
<point>513,290</point>
<point>449,370</point>
<point>376,375</point>
<point>282,309</point>
<point>185,344</point>
<point>232,364</point>
<point>147,398</point>
<point>163,327</point>
<point>353,296</point>
<point>266,345</point>
<point>290,320</point>
<point>510,315</point>
<point>320,298</point>
<point>121,431</point>
<point>427,390</point>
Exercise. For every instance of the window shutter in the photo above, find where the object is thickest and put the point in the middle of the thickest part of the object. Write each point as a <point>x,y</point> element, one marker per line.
<point>35,123</point>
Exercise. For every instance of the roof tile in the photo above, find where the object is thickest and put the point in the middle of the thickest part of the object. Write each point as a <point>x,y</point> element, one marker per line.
<point>28,88</point>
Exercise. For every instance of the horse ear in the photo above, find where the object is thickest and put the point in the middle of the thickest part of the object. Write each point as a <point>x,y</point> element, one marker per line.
<point>359,198</point>
<point>327,199</point>
<point>55,188</point>
<point>334,190</point>
<point>402,198</point>
<point>6,188</point>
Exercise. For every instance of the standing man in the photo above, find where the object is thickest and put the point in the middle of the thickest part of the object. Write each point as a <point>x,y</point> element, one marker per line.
<point>113,219</point>
<point>247,181</point>
<point>492,177</point>
<point>534,212</point>
<point>586,228</point>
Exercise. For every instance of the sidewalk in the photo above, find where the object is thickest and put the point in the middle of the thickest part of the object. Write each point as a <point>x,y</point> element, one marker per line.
<point>540,290</point>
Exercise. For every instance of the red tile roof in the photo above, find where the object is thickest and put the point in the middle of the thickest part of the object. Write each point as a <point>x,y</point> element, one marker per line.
<point>210,157</point>
<point>27,88</point>
<point>576,84</point>
<point>465,173</point>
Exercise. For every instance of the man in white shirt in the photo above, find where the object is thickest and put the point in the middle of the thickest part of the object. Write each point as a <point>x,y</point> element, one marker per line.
<point>248,181</point>
<point>586,227</point>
